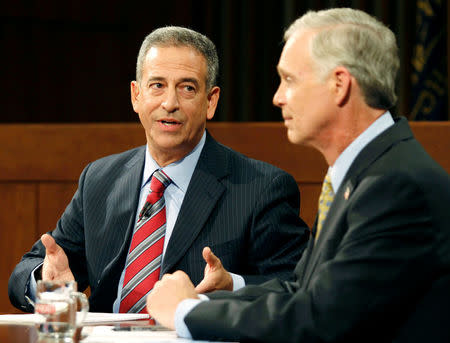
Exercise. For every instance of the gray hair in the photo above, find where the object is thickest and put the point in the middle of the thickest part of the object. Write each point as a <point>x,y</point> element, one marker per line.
<point>359,42</point>
<point>181,36</point>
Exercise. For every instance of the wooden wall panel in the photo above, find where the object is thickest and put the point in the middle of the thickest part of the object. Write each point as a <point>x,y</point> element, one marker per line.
<point>268,142</point>
<point>40,165</point>
<point>59,152</point>
<point>17,230</point>
<point>435,138</point>
<point>52,200</point>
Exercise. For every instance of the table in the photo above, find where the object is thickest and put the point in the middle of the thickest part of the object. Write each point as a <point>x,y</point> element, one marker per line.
<point>15,333</point>
<point>11,333</point>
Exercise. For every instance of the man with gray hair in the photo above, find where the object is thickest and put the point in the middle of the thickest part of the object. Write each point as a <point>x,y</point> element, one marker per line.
<point>172,203</point>
<point>378,266</point>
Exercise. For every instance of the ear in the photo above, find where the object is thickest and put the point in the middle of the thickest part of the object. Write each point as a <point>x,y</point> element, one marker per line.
<point>213,99</point>
<point>135,92</point>
<point>341,82</point>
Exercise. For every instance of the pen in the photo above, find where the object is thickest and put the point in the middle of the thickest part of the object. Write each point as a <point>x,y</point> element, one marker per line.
<point>141,328</point>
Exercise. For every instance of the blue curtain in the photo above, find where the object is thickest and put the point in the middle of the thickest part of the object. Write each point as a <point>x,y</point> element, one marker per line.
<point>429,61</point>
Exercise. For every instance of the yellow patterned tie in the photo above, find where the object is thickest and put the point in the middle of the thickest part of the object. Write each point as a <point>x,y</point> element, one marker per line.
<point>325,200</point>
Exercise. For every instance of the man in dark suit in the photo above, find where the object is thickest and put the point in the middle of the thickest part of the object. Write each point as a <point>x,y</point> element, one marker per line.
<point>381,242</point>
<point>215,200</point>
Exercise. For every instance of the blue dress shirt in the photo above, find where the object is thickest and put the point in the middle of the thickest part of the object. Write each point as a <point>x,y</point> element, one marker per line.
<point>180,172</point>
<point>337,173</point>
<point>342,164</point>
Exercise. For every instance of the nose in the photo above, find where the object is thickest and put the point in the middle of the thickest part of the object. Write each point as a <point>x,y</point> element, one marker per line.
<point>278,97</point>
<point>170,103</point>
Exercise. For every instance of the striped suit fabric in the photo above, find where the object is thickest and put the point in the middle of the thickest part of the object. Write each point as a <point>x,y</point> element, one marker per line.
<point>246,211</point>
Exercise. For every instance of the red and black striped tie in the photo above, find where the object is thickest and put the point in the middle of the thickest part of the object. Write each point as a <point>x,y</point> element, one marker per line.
<point>145,254</point>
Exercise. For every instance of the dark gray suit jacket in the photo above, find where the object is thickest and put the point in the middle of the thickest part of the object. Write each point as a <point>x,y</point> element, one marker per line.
<point>381,255</point>
<point>245,210</point>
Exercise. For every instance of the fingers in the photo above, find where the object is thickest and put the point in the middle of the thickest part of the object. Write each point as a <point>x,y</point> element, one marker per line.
<point>204,286</point>
<point>49,243</point>
<point>214,273</point>
<point>178,274</point>
<point>56,264</point>
<point>163,300</point>
<point>209,257</point>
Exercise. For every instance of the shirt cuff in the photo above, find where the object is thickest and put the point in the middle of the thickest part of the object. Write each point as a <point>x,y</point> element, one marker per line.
<point>32,284</point>
<point>238,281</point>
<point>182,311</point>
<point>30,289</point>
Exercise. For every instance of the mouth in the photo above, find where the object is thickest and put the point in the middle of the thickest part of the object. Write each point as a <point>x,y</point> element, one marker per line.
<point>169,122</point>
<point>287,121</point>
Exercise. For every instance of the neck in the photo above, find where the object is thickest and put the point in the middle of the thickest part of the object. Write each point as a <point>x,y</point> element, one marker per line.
<point>348,127</point>
<point>164,158</point>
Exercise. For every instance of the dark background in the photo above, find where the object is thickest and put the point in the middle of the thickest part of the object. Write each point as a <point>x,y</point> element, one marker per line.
<point>72,61</point>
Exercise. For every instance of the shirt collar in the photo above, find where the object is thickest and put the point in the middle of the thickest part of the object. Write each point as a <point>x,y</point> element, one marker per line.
<point>344,161</point>
<point>180,172</point>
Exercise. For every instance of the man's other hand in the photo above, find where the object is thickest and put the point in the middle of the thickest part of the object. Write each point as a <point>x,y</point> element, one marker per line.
<point>56,264</point>
<point>165,296</point>
<point>216,276</point>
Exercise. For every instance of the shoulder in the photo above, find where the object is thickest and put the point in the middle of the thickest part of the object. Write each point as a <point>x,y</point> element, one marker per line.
<point>405,179</point>
<point>115,162</point>
<point>253,175</point>
<point>237,162</point>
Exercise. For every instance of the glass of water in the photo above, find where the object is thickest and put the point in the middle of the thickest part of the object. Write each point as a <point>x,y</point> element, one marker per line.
<point>57,302</point>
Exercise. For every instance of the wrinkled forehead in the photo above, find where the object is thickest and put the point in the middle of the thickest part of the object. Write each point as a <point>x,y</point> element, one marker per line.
<point>297,48</point>
<point>173,52</point>
<point>301,37</point>
<point>175,60</point>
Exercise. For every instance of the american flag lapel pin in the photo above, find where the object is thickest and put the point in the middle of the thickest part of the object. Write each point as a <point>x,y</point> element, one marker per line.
<point>347,193</point>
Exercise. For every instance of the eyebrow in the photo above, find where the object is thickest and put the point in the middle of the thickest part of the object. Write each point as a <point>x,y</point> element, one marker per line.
<point>281,71</point>
<point>185,79</point>
<point>192,80</point>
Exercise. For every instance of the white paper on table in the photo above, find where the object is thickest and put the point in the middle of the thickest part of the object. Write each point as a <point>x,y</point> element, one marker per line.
<point>91,318</point>
<point>24,319</point>
<point>103,318</point>
<point>106,334</point>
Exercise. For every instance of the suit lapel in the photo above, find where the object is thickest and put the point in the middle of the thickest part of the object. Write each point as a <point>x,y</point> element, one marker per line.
<point>204,190</point>
<point>400,131</point>
<point>126,190</point>
<point>331,228</point>
<point>334,224</point>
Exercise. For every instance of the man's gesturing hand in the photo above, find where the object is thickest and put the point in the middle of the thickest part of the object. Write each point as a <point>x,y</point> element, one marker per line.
<point>56,264</point>
<point>216,276</point>
<point>165,296</point>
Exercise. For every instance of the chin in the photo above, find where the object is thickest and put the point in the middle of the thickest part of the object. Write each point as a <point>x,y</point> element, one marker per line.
<point>292,137</point>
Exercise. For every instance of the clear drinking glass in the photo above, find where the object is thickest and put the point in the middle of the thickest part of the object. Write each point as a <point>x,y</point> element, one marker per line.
<point>57,302</point>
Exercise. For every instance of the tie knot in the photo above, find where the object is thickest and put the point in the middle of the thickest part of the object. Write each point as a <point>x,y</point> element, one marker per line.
<point>159,181</point>
<point>326,187</point>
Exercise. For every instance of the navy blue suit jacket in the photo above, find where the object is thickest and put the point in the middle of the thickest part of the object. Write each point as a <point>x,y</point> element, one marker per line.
<point>245,210</point>
<point>379,271</point>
